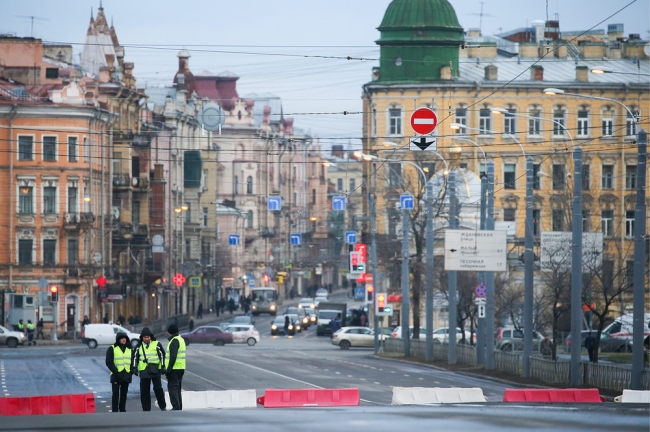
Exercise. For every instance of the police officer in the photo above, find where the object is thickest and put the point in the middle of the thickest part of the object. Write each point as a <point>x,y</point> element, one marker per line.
<point>149,364</point>
<point>20,326</point>
<point>119,358</point>
<point>175,367</point>
<point>30,332</point>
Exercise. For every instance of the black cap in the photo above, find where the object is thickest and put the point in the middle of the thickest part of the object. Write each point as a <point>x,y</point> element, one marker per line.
<point>172,329</point>
<point>146,332</point>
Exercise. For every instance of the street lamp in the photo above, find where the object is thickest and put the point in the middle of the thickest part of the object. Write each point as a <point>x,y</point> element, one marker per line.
<point>598,70</point>
<point>559,92</point>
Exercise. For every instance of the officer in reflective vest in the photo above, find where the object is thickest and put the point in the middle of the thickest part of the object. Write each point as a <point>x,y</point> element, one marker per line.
<point>20,326</point>
<point>30,332</point>
<point>119,358</point>
<point>175,367</point>
<point>150,363</point>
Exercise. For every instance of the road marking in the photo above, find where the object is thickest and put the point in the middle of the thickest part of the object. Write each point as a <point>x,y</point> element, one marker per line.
<point>376,383</point>
<point>206,380</point>
<point>407,375</point>
<point>338,373</point>
<point>349,376</point>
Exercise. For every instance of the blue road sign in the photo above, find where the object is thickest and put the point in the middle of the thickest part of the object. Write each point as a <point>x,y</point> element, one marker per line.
<point>338,202</point>
<point>351,237</point>
<point>296,239</point>
<point>406,202</point>
<point>358,293</point>
<point>275,203</point>
<point>480,290</point>
<point>233,239</point>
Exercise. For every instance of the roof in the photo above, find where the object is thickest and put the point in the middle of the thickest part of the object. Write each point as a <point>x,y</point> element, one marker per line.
<point>419,13</point>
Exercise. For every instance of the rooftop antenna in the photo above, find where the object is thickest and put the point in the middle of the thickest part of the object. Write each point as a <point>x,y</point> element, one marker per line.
<point>481,15</point>
<point>546,10</point>
<point>32,18</point>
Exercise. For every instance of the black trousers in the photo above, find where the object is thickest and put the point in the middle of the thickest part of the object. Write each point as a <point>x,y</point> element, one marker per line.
<point>145,393</point>
<point>174,384</point>
<point>119,396</point>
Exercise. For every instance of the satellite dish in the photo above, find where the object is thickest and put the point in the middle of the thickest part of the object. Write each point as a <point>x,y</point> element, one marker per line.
<point>212,117</point>
<point>115,211</point>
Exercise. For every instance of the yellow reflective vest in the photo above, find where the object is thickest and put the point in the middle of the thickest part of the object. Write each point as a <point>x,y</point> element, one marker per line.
<point>180,356</point>
<point>149,354</point>
<point>122,360</point>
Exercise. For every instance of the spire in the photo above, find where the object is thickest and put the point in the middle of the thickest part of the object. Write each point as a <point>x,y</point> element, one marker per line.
<point>111,21</point>
<point>91,13</point>
<point>100,5</point>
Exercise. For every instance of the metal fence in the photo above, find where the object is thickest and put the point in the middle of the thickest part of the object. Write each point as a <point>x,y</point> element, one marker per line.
<point>507,362</point>
<point>611,377</point>
<point>549,371</point>
<point>466,354</point>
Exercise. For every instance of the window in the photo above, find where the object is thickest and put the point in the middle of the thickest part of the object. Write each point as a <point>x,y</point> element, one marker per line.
<point>509,214</point>
<point>374,121</point>
<point>509,122</point>
<point>313,196</point>
<point>49,200</point>
<point>462,165</point>
<point>339,184</point>
<point>607,222</point>
<point>509,176</point>
<point>49,252</point>
<point>188,248</point>
<point>49,148</point>
<point>559,177</point>
<point>51,73</point>
<point>631,123</point>
<point>534,123</point>
<point>313,169</point>
<point>72,149</point>
<point>461,118</point>
<point>73,250</point>
<point>236,185</point>
<point>205,252</point>
<point>608,177</point>
<point>484,121</point>
<point>536,222</point>
<point>557,216</point>
<point>249,219</point>
<point>26,200</point>
<point>536,180</point>
<point>394,175</point>
<point>87,150</point>
<point>25,148</point>
<point>25,249</point>
<point>585,177</point>
<point>135,215</point>
<point>583,123</point>
<point>188,213</point>
<point>608,123</point>
<point>630,177</point>
<point>559,122</point>
<point>249,185</point>
<point>395,119</point>
<point>72,200</point>
<point>353,185</point>
<point>205,216</point>
<point>629,223</point>
<point>295,198</point>
<point>586,220</point>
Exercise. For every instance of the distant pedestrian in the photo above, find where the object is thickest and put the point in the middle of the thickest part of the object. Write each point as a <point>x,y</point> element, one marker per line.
<point>175,367</point>
<point>191,323</point>
<point>217,307</point>
<point>292,293</point>
<point>39,329</point>
<point>287,323</point>
<point>363,320</point>
<point>30,332</point>
<point>590,344</point>
<point>131,320</point>
<point>546,348</point>
<point>329,288</point>
<point>149,364</point>
<point>121,320</point>
<point>105,318</point>
<point>199,311</point>
<point>119,358</point>
<point>86,320</point>
<point>231,305</point>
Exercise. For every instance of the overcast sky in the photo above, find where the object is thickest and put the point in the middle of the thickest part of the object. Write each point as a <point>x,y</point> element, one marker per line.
<point>264,41</point>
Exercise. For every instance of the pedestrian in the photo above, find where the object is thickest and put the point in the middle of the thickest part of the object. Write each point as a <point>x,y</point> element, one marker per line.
<point>105,318</point>
<point>231,305</point>
<point>217,307</point>
<point>121,320</point>
<point>30,332</point>
<point>119,358</point>
<point>20,327</point>
<point>222,305</point>
<point>199,311</point>
<point>175,367</point>
<point>287,323</point>
<point>546,348</point>
<point>149,364</point>
<point>332,327</point>
<point>39,329</point>
<point>131,320</point>
<point>86,320</point>
<point>363,320</point>
<point>191,323</point>
<point>590,344</point>
<point>292,293</point>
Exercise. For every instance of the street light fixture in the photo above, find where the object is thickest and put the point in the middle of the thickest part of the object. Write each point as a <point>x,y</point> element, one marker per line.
<point>606,70</point>
<point>178,210</point>
<point>555,91</point>
<point>86,198</point>
<point>184,207</point>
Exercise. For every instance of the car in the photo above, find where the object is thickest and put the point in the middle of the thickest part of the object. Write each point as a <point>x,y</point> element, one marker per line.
<point>323,321</point>
<point>313,316</point>
<point>243,319</point>
<point>319,299</point>
<point>441,335</point>
<point>208,334</point>
<point>608,343</point>
<point>297,322</point>
<point>242,333</point>
<point>14,338</point>
<point>511,339</point>
<point>347,337</point>
<point>277,326</point>
<point>321,292</point>
<point>306,302</point>
<point>397,332</point>
<point>302,316</point>
<point>104,334</point>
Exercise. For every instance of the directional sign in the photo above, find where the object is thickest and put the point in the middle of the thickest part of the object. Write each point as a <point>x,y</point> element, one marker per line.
<point>195,282</point>
<point>287,263</point>
<point>296,239</point>
<point>556,250</point>
<point>43,283</point>
<point>481,250</point>
<point>480,290</point>
<point>351,237</point>
<point>407,202</point>
<point>233,239</point>
<point>424,144</point>
<point>275,203</point>
<point>338,202</point>
<point>481,311</point>
<point>424,121</point>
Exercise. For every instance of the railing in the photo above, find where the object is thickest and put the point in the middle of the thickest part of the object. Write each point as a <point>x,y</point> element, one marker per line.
<point>140,182</point>
<point>466,354</point>
<point>549,371</point>
<point>121,180</point>
<point>610,376</point>
<point>440,351</point>
<point>79,218</point>
<point>506,362</point>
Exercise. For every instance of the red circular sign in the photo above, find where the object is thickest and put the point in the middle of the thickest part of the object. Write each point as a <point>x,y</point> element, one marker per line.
<point>424,121</point>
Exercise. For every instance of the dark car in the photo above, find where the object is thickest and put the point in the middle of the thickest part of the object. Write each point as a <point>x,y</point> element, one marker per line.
<point>607,343</point>
<point>303,317</point>
<point>207,334</point>
<point>277,326</point>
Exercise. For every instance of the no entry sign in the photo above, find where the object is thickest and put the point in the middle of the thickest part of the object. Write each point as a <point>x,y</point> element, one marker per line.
<point>424,121</point>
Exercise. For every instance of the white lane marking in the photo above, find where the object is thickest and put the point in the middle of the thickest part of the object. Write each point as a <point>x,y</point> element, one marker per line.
<point>407,375</point>
<point>338,373</point>
<point>206,380</point>
<point>376,382</point>
<point>349,376</point>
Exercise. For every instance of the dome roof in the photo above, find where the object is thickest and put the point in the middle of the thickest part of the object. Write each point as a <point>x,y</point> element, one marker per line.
<point>419,13</point>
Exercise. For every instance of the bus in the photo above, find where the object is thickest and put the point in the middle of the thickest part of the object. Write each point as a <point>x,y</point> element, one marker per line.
<point>264,300</point>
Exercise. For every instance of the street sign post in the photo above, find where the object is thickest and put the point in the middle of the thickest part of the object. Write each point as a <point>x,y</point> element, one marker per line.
<point>296,239</point>
<point>407,202</point>
<point>481,311</point>
<point>480,290</point>
<point>481,250</point>
<point>351,237</point>
<point>195,282</point>
<point>338,202</point>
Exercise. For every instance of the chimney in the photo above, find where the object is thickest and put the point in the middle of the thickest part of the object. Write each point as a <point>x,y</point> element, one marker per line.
<point>445,73</point>
<point>337,150</point>
<point>582,73</point>
<point>537,73</point>
<point>491,73</point>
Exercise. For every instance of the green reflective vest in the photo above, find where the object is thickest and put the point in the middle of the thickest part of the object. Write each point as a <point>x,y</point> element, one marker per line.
<point>21,326</point>
<point>30,327</point>
<point>180,356</point>
<point>122,360</point>
<point>149,354</point>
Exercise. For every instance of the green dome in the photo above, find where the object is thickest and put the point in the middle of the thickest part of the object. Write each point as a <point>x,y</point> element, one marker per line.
<point>419,13</point>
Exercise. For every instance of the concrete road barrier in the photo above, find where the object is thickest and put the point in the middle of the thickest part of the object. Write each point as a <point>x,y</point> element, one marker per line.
<point>634,396</point>
<point>216,399</point>
<point>436,395</point>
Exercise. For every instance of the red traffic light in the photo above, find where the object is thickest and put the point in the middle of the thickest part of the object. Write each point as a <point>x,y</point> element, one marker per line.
<point>54,293</point>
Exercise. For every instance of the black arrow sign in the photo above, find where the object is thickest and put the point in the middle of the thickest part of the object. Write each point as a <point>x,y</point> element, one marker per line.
<point>453,250</point>
<point>422,143</point>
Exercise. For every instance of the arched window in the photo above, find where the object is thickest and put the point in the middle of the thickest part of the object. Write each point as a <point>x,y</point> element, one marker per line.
<point>249,219</point>
<point>236,185</point>
<point>249,185</point>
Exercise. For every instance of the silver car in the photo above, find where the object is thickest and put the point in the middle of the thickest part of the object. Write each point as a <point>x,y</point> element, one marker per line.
<point>11,338</point>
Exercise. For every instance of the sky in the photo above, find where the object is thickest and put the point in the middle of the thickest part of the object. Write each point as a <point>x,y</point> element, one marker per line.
<point>267,42</point>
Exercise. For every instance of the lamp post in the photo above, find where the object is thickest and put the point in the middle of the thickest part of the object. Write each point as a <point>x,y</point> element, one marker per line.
<point>599,70</point>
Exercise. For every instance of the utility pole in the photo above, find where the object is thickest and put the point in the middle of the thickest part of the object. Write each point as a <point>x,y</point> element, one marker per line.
<point>429,275</point>
<point>639,263</point>
<point>489,276</point>
<point>576,266</point>
<point>480,327</point>
<point>528,269</point>
<point>406,303</point>
<point>452,275</point>
<point>373,260</point>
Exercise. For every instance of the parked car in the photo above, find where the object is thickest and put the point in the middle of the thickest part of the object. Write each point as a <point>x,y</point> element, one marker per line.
<point>510,339</point>
<point>13,338</point>
<point>622,328</point>
<point>302,316</point>
<point>243,319</point>
<point>319,300</point>
<point>277,326</point>
<point>306,302</point>
<point>242,333</point>
<point>347,337</point>
<point>607,342</point>
<point>441,335</point>
<point>322,292</point>
<point>208,334</point>
<point>104,334</point>
<point>397,332</point>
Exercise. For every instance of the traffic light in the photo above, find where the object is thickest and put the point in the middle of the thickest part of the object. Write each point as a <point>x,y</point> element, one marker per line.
<point>381,302</point>
<point>54,293</point>
<point>369,291</point>
<point>266,279</point>
<point>356,265</point>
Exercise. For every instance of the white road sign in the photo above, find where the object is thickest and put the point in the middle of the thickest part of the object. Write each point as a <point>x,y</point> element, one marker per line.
<point>556,251</point>
<point>483,250</point>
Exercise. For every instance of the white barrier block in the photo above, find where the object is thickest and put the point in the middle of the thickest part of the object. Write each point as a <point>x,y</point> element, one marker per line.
<point>634,396</point>
<point>436,395</point>
<point>216,399</point>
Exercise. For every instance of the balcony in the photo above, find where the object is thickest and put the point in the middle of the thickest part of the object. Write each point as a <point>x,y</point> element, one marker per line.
<point>267,232</point>
<point>77,274</point>
<point>141,141</point>
<point>121,181</point>
<point>76,221</point>
<point>140,184</point>
<point>141,229</point>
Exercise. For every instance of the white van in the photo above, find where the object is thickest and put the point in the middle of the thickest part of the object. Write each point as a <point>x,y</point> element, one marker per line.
<point>104,334</point>
<point>622,327</point>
